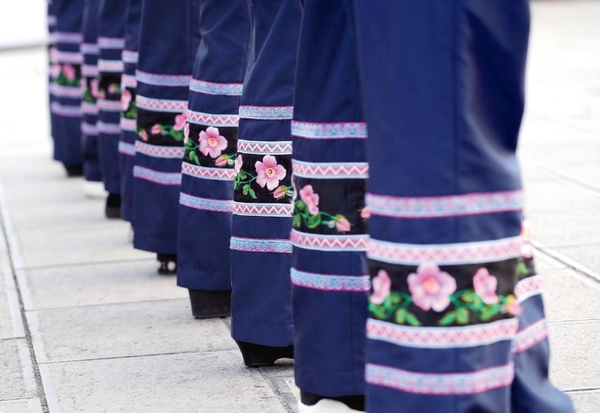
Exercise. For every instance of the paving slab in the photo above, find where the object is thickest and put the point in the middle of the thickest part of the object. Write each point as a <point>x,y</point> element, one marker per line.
<point>16,380</point>
<point>11,323</point>
<point>99,283</point>
<point>575,347</point>
<point>21,406</point>
<point>586,402</point>
<point>563,288</point>
<point>588,255</point>
<point>563,227</point>
<point>545,193</point>
<point>124,330</point>
<point>182,383</point>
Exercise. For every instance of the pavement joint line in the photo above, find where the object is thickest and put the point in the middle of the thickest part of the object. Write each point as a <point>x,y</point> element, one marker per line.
<point>9,249</point>
<point>558,174</point>
<point>82,264</point>
<point>582,390</point>
<point>274,388</point>
<point>25,46</point>
<point>11,338</point>
<point>573,321</point>
<point>567,261</point>
<point>134,356</point>
<point>583,244</point>
<point>70,307</point>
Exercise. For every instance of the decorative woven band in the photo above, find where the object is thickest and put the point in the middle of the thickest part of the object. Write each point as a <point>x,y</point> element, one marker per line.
<point>209,119</point>
<point>211,88</point>
<point>89,108</point>
<point>205,204</point>
<point>73,92</point>
<point>219,174</point>
<point>89,48</point>
<point>528,287</point>
<point>65,110</point>
<point>266,148</point>
<point>66,57</point>
<point>279,246</point>
<point>128,125</point>
<point>440,384</point>
<point>106,105</point>
<point>110,66</point>
<point>163,79</point>
<point>343,130</point>
<point>359,170</point>
<point>128,81</point>
<point>330,282</point>
<point>530,336</point>
<point>69,38</point>
<point>89,71</point>
<point>109,128</point>
<point>161,178</point>
<point>267,112</point>
<point>89,129</point>
<point>155,151</point>
<point>329,242</point>
<point>111,43</point>
<point>161,105</point>
<point>442,337</point>
<point>263,210</point>
<point>129,56</point>
<point>51,20</point>
<point>126,148</point>
<point>445,254</point>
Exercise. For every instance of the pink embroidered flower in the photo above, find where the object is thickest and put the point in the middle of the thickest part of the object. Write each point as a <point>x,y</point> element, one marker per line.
<point>94,88</point>
<point>269,172</point>
<point>143,134</point>
<point>526,244</point>
<point>365,213</point>
<point>280,192</point>
<point>186,132</point>
<point>430,287</point>
<point>101,94</point>
<point>382,286</point>
<point>69,72</point>
<point>156,129</point>
<point>294,192</point>
<point>308,196</point>
<point>113,88</point>
<point>125,99</point>
<point>238,164</point>
<point>221,160</point>
<point>512,306</point>
<point>211,143</point>
<point>180,121</point>
<point>55,70</point>
<point>485,286</point>
<point>341,223</point>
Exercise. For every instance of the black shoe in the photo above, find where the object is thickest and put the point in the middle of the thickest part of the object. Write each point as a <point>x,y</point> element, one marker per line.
<point>256,355</point>
<point>210,304</point>
<point>74,170</point>
<point>168,264</point>
<point>353,402</point>
<point>113,206</point>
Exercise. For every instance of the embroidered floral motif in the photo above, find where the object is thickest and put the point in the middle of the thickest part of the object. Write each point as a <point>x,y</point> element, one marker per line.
<point>211,143</point>
<point>114,88</point>
<point>67,75</point>
<point>365,213</point>
<point>433,289</point>
<point>90,94</point>
<point>527,247</point>
<point>125,100</point>
<point>175,131</point>
<point>307,211</point>
<point>268,174</point>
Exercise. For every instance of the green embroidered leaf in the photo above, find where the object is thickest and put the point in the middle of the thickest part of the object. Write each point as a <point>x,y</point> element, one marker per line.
<point>469,296</point>
<point>252,193</point>
<point>489,311</point>
<point>314,221</point>
<point>242,174</point>
<point>462,315</point>
<point>522,269</point>
<point>377,311</point>
<point>245,189</point>
<point>300,206</point>
<point>395,298</point>
<point>297,221</point>
<point>412,320</point>
<point>448,319</point>
<point>401,316</point>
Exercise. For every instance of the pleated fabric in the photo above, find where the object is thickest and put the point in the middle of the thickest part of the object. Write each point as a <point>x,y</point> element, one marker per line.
<point>330,284</point>
<point>128,107</point>
<point>89,108</point>
<point>169,38</point>
<point>65,89</point>
<point>456,320</point>
<point>51,27</point>
<point>111,41</point>
<point>261,223</point>
<point>206,198</point>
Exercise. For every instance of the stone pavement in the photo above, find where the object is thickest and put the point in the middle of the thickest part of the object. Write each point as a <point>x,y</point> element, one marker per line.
<point>86,324</point>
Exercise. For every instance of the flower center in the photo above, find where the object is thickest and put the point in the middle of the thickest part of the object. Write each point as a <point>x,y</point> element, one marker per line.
<point>431,285</point>
<point>212,142</point>
<point>270,172</point>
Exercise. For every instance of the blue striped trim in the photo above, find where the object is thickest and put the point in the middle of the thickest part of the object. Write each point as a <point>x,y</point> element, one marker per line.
<point>266,112</point>
<point>261,245</point>
<point>348,283</point>
<point>342,130</point>
<point>211,88</point>
<point>205,204</point>
<point>161,178</point>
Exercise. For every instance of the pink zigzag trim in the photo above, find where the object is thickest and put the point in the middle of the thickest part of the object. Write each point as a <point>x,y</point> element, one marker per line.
<point>213,119</point>
<point>161,104</point>
<point>358,170</point>
<point>528,287</point>
<point>278,148</point>
<point>329,241</point>
<point>530,336</point>
<point>283,210</point>
<point>159,151</point>
<point>227,173</point>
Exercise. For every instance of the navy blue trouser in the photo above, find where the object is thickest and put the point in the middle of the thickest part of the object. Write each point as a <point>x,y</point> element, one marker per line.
<point>206,198</point>
<point>168,41</point>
